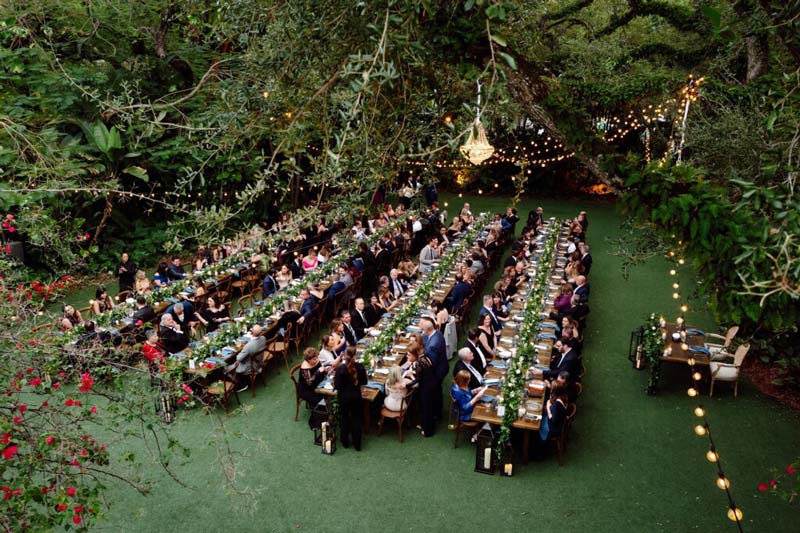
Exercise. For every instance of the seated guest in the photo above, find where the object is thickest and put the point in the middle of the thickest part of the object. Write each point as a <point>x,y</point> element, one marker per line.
<point>71,318</point>
<point>574,267</point>
<point>270,285</point>
<point>499,308</point>
<point>302,316</point>
<point>555,411</point>
<point>283,277</point>
<point>486,335</point>
<point>350,333</point>
<point>477,264</point>
<point>143,313</point>
<point>466,215</point>
<point>348,379</point>
<point>247,359</point>
<point>479,359</point>
<point>586,258</point>
<point>429,254</point>
<point>342,282</point>
<point>200,260</point>
<point>175,270</point>
<point>396,389</point>
<point>161,277</point>
<point>199,288</point>
<point>458,294</point>
<point>582,288</point>
<point>455,228</point>
<point>323,255</point>
<point>102,301</point>
<point>311,375</point>
<point>387,300</point>
<point>569,329</point>
<point>464,363</point>
<point>465,398</point>
<point>310,261</point>
<point>171,336</point>
<point>375,310</point>
<point>407,268</point>
<point>337,336</point>
<point>141,284</point>
<point>359,318</point>
<point>126,272</point>
<point>315,290</point>
<point>565,360</point>
<point>328,344</point>
<point>152,349</point>
<point>296,266</point>
<point>440,315</point>
<point>562,302</point>
<point>396,285</point>
<point>486,310</point>
<point>214,315</point>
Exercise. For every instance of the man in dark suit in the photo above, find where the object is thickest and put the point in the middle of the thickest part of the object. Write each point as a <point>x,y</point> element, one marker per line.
<point>269,286</point>
<point>183,313</point>
<point>479,359</point>
<point>487,310</point>
<point>458,294</point>
<point>350,333</point>
<point>359,318</point>
<point>581,288</point>
<point>296,266</point>
<point>302,316</point>
<point>586,258</point>
<point>172,337</point>
<point>567,362</point>
<point>143,311</point>
<point>436,350</point>
<point>465,363</point>
<point>175,270</point>
<point>396,285</point>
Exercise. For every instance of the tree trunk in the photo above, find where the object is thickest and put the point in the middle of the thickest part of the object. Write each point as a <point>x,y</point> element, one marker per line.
<point>104,219</point>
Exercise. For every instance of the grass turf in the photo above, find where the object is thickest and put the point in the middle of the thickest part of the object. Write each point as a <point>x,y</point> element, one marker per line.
<point>633,461</point>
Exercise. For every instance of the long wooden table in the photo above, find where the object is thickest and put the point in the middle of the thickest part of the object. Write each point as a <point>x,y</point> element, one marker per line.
<point>677,353</point>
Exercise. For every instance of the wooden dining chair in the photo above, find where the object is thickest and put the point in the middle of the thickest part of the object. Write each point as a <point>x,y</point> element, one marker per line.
<point>400,415</point>
<point>297,399</point>
<point>561,439</point>
<point>459,424</point>
<point>243,303</point>
<point>122,296</point>
<point>221,390</point>
<point>719,351</point>
<point>721,371</point>
<point>277,347</point>
<point>223,291</point>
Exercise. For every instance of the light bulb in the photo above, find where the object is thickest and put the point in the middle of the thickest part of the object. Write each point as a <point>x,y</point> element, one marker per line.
<point>675,295</point>
<point>675,286</point>
<point>690,361</point>
<point>735,514</point>
<point>692,392</point>
<point>681,261</point>
<point>712,456</point>
<point>671,253</point>
<point>672,272</point>
<point>684,308</point>
<point>700,430</point>
<point>684,346</point>
<point>679,320</point>
<point>697,376</point>
<point>722,482</point>
<point>699,411</point>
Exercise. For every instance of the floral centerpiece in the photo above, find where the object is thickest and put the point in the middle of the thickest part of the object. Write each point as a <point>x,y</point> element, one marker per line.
<point>653,350</point>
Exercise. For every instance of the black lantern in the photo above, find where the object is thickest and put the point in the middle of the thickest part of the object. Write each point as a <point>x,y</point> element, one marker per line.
<point>485,461</point>
<point>318,415</point>
<point>165,406</point>
<point>328,438</point>
<point>507,461</point>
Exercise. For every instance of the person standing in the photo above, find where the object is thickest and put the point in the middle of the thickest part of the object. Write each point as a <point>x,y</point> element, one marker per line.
<point>347,380</point>
<point>431,386</point>
<point>126,273</point>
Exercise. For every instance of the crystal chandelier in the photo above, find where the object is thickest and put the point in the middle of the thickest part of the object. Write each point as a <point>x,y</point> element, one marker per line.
<point>477,148</point>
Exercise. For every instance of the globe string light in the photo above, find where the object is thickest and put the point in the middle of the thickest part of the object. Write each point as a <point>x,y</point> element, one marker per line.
<point>702,427</point>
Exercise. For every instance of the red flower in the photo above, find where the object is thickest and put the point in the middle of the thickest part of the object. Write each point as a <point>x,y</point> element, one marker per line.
<point>772,483</point>
<point>84,453</point>
<point>29,370</point>
<point>71,491</point>
<point>79,508</point>
<point>45,404</point>
<point>76,519</point>
<point>62,375</point>
<point>44,490</point>
<point>69,402</point>
<point>180,400</point>
<point>49,440</point>
<point>185,397</point>
<point>8,249</point>
<point>6,438</point>
<point>93,410</point>
<point>10,216</point>
<point>790,470</point>
<point>17,420</point>
<point>74,463</point>
<point>87,382</point>
<point>32,342</point>
<point>12,229</point>
<point>78,403</point>
<point>10,451</point>
<point>22,408</point>
<point>56,385</point>
<point>20,346</point>
<point>762,487</point>
<point>5,489</point>
<point>35,382</point>
<point>61,507</point>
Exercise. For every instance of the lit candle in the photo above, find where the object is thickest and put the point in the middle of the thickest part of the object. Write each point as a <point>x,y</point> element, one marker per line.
<point>508,469</point>
<point>487,458</point>
<point>324,431</point>
<point>327,446</point>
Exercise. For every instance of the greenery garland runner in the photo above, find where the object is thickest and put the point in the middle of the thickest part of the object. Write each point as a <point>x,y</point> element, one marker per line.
<point>348,244</point>
<point>517,372</point>
<point>653,350</point>
<point>401,319</point>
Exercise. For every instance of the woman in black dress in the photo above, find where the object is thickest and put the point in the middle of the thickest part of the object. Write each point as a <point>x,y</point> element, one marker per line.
<point>214,315</point>
<point>486,336</point>
<point>312,374</point>
<point>347,381</point>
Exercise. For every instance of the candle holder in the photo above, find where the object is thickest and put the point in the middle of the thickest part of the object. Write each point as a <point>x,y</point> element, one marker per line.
<point>507,461</point>
<point>328,439</point>
<point>485,461</point>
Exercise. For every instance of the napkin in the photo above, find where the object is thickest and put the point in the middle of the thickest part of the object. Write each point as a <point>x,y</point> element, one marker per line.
<point>550,336</point>
<point>171,300</point>
<point>491,382</point>
<point>375,385</point>
<point>215,360</point>
<point>382,371</point>
<point>195,344</point>
<point>179,356</point>
<point>499,364</point>
<point>700,349</point>
<point>226,351</point>
<point>693,331</point>
<point>487,398</point>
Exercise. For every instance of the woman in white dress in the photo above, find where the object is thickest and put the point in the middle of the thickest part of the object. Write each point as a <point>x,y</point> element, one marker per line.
<point>395,389</point>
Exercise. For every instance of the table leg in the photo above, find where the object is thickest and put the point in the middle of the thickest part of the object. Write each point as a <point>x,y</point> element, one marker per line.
<point>526,441</point>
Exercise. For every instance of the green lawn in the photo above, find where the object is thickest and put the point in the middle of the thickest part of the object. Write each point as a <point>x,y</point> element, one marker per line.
<point>633,463</point>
